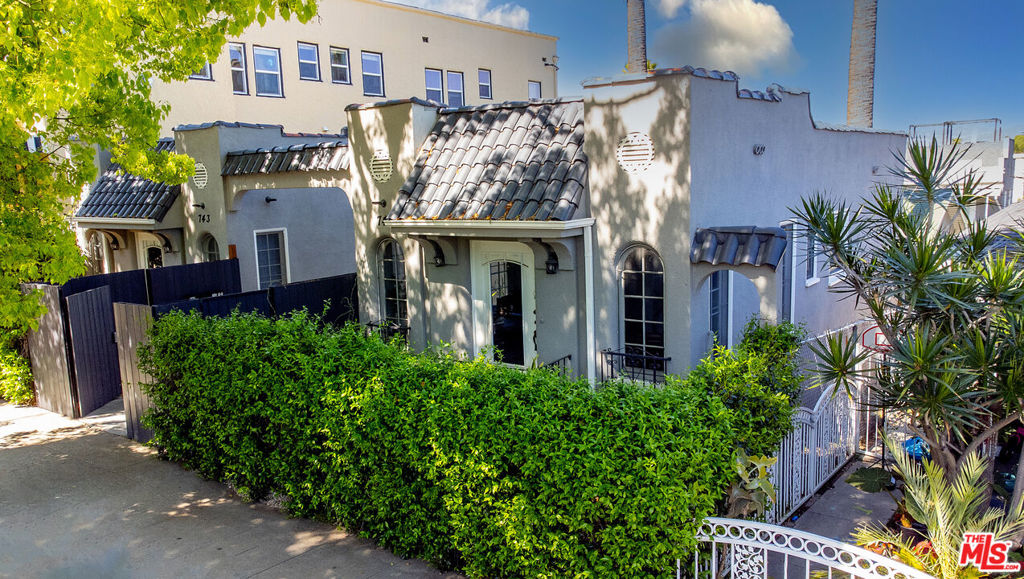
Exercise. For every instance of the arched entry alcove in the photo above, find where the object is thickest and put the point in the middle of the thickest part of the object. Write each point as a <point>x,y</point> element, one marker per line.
<point>725,297</point>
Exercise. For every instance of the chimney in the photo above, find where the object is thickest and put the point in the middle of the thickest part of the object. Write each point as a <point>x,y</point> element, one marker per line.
<point>636,36</point>
<point>860,98</point>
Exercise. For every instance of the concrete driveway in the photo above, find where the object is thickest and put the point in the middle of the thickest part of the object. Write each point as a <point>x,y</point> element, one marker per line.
<point>79,502</point>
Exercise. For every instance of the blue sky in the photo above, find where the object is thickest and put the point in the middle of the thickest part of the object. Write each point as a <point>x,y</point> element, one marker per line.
<point>936,60</point>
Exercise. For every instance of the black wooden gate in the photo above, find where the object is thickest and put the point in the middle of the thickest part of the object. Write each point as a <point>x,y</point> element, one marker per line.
<point>94,351</point>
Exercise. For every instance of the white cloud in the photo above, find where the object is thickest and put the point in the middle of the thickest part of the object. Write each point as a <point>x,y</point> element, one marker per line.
<point>745,36</point>
<point>505,14</point>
<point>669,8</point>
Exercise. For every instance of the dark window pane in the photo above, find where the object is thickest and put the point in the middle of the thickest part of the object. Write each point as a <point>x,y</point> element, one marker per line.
<point>632,284</point>
<point>308,71</point>
<point>634,332</point>
<point>632,261</point>
<point>654,310</point>
<point>655,335</point>
<point>372,85</point>
<point>651,261</point>
<point>633,308</point>
<point>653,285</point>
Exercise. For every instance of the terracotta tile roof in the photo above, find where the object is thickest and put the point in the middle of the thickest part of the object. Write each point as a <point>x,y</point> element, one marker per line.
<point>742,245</point>
<point>329,156</point>
<point>122,195</point>
<point>515,161</point>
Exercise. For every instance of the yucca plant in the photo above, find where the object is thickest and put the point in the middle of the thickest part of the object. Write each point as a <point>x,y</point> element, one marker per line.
<point>945,293</point>
<point>948,507</point>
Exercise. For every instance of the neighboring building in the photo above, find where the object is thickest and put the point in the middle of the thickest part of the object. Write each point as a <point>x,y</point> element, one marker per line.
<point>988,155</point>
<point>302,76</point>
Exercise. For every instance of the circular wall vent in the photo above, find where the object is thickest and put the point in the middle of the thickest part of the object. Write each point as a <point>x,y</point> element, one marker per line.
<point>380,165</point>
<point>201,176</point>
<point>635,153</point>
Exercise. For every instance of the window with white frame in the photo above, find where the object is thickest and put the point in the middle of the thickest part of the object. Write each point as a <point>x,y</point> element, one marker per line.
<point>811,255</point>
<point>266,65</point>
<point>373,74</point>
<point>456,91</point>
<point>340,71</point>
<point>270,259</point>
<point>391,265</point>
<point>239,73</point>
<point>435,90</point>
<point>205,73</point>
<point>210,248</point>
<point>309,61</point>
<point>484,78</point>
<point>533,90</point>
<point>643,307</point>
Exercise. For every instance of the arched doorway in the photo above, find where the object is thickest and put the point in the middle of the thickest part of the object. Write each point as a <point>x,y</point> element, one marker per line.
<point>504,300</point>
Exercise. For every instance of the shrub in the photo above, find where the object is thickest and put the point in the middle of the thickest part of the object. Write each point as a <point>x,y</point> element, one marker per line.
<point>16,384</point>
<point>759,381</point>
<point>469,465</point>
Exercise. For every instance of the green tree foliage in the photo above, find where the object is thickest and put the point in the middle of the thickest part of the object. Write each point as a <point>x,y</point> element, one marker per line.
<point>759,380</point>
<point>484,468</point>
<point>15,374</point>
<point>948,508</point>
<point>77,74</point>
<point>1018,144</point>
<point>949,302</point>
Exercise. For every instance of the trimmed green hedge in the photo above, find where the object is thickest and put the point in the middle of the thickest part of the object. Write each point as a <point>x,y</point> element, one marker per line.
<point>472,466</point>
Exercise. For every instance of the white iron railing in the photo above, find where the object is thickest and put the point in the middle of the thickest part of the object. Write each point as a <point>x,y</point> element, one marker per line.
<point>823,440</point>
<point>749,550</point>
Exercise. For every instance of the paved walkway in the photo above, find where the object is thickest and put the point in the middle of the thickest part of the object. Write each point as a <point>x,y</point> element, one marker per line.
<point>76,501</point>
<point>839,510</point>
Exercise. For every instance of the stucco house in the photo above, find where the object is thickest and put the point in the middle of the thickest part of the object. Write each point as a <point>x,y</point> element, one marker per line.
<point>618,234</point>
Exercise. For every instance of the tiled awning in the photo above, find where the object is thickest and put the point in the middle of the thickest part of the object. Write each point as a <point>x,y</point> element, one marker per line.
<point>329,156</point>
<point>119,195</point>
<point>739,245</point>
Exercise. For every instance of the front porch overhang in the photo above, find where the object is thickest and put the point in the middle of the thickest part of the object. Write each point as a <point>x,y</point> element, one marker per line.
<point>119,223</point>
<point>491,229</point>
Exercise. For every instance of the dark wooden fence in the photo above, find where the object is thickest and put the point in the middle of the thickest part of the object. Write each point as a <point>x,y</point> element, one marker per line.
<point>73,353</point>
<point>133,322</point>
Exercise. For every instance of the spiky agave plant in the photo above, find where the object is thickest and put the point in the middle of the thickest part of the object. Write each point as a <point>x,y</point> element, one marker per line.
<point>948,507</point>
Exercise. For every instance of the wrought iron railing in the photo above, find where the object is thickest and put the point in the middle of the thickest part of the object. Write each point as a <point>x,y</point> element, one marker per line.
<point>623,365</point>
<point>562,365</point>
<point>746,550</point>
<point>387,329</point>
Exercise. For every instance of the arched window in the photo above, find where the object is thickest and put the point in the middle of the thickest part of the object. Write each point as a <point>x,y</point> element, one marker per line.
<point>209,247</point>
<point>643,306</point>
<point>391,265</point>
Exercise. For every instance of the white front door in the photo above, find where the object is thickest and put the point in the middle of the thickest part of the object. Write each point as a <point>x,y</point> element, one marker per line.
<point>504,301</point>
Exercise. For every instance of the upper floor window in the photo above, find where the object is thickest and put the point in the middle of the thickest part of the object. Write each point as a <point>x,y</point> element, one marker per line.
<point>309,61</point>
<point>239,73</point>
<point>373,74</point>
<point>266,64</point>
<point>391,265</point>
<point>435,90</point>
<point>643,308</point>
<point>484,77</point>
<point>204,73</point>
<point>533,90</point>
<point>340,70</point>
<point>456,92</point>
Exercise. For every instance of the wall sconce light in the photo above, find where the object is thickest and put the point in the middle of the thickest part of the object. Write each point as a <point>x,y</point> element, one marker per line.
<point>381,203</point>
<point>553,63</point>
<point>759,149</point>
<point>199,205</point>
<point>551,263</point>
<point>438,253</point>
<point>269,199</point>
